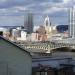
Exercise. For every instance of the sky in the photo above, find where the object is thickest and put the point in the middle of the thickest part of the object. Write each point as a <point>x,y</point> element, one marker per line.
<point>12,12</point>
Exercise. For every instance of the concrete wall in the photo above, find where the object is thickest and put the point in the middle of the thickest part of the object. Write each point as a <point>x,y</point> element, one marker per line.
<point>13,61</point>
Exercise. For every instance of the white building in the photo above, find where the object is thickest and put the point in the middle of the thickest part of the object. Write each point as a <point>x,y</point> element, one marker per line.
<point>34,37</point>
<point>23,36</point>
<point>16,33</point>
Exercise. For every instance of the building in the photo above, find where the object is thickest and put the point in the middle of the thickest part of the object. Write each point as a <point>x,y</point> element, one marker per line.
<point>13,59</point>
<point>47,25</point>
<point>52,66</point>
<point>28,23</point>
<point>72,23</point>
<point>62,28</point>
<point>5,32</point>
<point>60,62</point>
<point>47,21</point>
<point>34,37</point>
<point>42,34</point>
<point>23,36</point>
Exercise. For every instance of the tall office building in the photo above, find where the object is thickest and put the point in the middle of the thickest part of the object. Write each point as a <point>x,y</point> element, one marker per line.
<point>72,23</point>
<point>28,22</point>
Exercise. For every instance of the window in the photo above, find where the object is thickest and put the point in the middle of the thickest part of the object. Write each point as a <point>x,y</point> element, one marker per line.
<point>41,73</point>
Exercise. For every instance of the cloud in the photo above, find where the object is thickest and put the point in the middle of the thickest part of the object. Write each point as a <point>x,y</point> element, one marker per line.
<point>54,9</point>
<point>2,1</point>
<point>14,3</point>
<point>11,20</point>
<point>36,6</point>
<point>67,1</point>
<point>14,9</point>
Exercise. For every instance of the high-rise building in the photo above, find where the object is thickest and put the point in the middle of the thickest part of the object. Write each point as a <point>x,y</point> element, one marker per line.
<point>47,21</point>
<point>47,25</point>
<point>28,22</point>
<point>72,23</point>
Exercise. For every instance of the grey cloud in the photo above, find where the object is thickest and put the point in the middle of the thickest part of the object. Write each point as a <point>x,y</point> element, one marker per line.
<point>36,6</point>
<point>12,3</point>
<point>11,20</point>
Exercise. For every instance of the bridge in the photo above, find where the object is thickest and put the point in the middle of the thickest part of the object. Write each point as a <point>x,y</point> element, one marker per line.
<point>43,46</point>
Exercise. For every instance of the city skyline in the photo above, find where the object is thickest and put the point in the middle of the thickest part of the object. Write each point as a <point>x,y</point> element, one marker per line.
<point>12,12</point>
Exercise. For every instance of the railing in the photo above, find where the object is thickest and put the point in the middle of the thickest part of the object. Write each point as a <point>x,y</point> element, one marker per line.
<point>44,46</point>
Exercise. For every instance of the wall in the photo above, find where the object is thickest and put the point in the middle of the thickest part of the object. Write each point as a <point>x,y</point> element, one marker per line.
<point>18,62</point>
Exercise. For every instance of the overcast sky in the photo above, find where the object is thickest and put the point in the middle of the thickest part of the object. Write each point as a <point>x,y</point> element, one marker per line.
<point>12,11</point>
